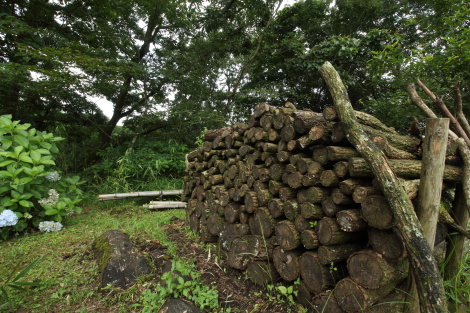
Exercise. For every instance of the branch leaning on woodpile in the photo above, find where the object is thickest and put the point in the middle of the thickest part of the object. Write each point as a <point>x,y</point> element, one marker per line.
<point>430,285</point>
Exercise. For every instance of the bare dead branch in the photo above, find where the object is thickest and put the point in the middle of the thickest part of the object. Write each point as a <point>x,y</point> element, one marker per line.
<point>458,111</point>
<point>418,101</point>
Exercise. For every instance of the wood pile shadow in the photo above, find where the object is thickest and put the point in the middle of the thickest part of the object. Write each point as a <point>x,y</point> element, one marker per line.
<point>288,197</point>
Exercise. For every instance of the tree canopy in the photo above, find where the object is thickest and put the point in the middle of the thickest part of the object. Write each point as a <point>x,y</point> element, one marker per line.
<point>183,65</point>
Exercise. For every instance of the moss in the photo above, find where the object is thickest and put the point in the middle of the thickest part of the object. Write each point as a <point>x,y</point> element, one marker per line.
<point>102,251</point>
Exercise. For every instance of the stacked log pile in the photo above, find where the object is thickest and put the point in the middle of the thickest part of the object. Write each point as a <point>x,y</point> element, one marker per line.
<point>288,197</point>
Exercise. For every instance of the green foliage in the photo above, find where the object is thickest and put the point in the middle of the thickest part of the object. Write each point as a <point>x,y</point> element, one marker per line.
<point>13,282</point>
<point>200,139</point>
<point>283,294</point>
<point>29,185</point>
<point>143,168</point>
<point>181,280</point>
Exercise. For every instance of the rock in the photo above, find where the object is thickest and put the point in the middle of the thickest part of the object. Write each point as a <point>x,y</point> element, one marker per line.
<point>178,306</point>
<point>119,261</point>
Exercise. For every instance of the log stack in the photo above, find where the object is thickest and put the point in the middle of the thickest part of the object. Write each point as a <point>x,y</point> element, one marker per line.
<point>287,196</point>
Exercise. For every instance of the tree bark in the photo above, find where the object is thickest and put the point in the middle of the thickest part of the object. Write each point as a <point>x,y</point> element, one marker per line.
<point>432,171</point>
<point>359,167</point>
<point>430,286</point>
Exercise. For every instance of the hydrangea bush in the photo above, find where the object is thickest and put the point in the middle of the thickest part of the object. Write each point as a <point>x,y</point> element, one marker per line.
<point>30,188</point>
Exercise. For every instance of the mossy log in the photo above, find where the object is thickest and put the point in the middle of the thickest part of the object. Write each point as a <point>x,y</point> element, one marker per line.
<point>411,169</point>
<point>377,213</point>
<point>370,270</point>
<point>354,298</point>
<point>288,237</point>
<point>311,211</point>
<point>329,207</point>
<point>262,273</point>
<point>325,302</point>
<point>309,239</point>
<point>262,223</point>
<point>315,276</point>
<point>243,249</point>
<point>329,232</point>
<point>387,243</point>
<point>287,263</point>
<point>351,220</point>
<point>337,253</point>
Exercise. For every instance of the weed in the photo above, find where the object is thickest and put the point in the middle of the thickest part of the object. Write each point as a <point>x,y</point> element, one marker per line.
<point>181,280</point>
<point>13,282</point>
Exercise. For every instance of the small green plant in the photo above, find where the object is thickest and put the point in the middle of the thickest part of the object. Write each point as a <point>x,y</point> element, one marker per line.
<point>333,268</point>
<point>30,187</point>
<point>200,139</point>
<point>13,282</point>
<point>283,294</point>
<point>313,224</point>
<point>181,280</point>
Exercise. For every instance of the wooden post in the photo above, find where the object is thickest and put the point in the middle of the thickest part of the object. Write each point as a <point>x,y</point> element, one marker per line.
<point>456,244</point>
<point>430,286</point>
<point>432,171</point>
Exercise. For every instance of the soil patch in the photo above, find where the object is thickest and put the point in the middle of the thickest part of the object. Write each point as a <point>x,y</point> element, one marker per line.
<point>235,290</point>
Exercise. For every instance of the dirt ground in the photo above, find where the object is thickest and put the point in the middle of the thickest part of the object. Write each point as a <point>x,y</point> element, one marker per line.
<point>235,290</point>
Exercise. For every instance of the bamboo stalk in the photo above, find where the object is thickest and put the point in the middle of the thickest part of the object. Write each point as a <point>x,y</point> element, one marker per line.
<point>165,205</point>
<point>115,196</point>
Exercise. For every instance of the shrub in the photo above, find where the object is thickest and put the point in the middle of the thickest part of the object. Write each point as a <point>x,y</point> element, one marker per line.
<point>29,185</point>
<point>144,167</point>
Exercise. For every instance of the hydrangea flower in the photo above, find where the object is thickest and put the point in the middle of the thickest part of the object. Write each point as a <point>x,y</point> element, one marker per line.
<point>27,216</point>
<point>8,218</point>
<point>53,198</point>
<point>48,226</point>
<point>52,177</point>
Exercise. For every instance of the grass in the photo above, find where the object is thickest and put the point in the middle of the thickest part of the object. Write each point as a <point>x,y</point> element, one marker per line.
<point>68,273</point>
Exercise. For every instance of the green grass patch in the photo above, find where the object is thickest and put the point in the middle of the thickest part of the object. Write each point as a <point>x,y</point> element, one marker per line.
<point>67,272</point>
